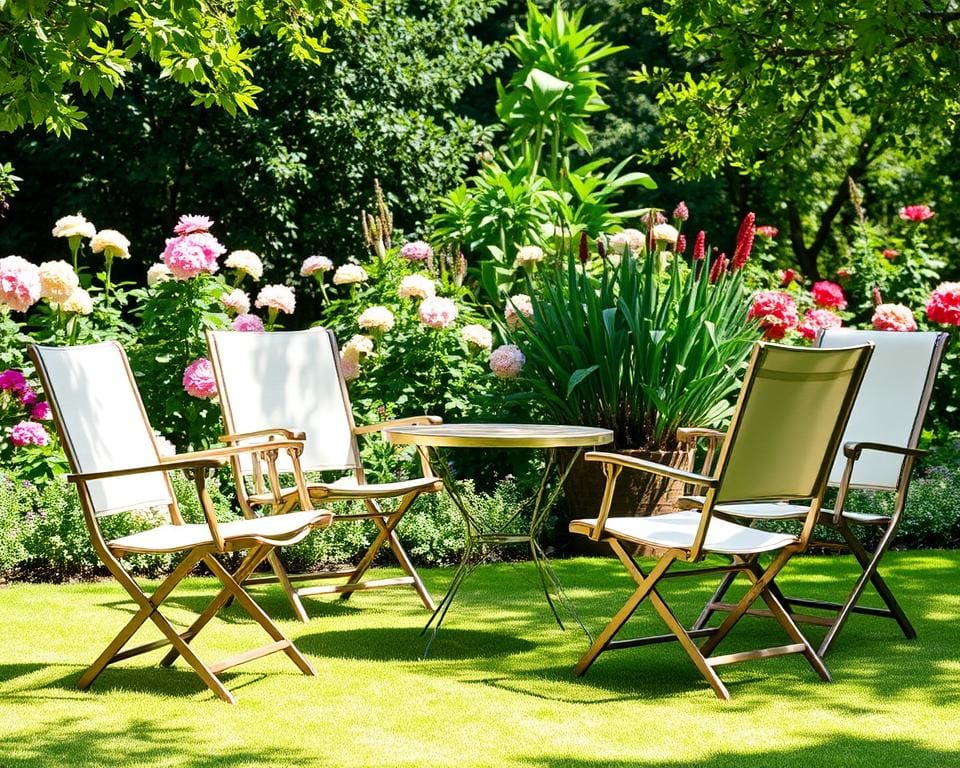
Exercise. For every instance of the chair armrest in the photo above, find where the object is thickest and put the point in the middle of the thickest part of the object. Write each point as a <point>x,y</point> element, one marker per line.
<point>408,421</point>
<point>226,451</point>
<point>289,434</point>
<point>689,434</point>
<point>166,466</point>
<point>853,450</point>
<point>629,462</point>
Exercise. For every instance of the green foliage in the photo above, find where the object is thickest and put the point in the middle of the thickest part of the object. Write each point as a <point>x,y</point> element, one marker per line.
<point>50,52</point>
<point>635,349</point>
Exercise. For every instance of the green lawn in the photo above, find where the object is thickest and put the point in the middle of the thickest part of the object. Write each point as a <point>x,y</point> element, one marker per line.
<point>498,689</point>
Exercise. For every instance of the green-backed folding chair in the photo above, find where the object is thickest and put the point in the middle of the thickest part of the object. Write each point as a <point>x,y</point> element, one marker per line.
<point>879,449</point>
<point>116,467</point>
<point>783,436</point>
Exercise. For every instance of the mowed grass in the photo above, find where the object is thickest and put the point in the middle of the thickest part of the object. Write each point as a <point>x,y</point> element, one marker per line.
<point>498,687</point>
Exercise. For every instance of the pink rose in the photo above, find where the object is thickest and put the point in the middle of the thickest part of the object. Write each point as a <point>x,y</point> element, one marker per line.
<point>19,283</point>
<point>189,255</point>
<point>247,323</point>
<point>916,213</point>
<point>827,295</point>
<point>817,319</point>
<point>893,317</point>
<point>198,379</point>
<point>777,313</point>
<point>943,306</point>
<point>189,223</point>
<point>28,433</point>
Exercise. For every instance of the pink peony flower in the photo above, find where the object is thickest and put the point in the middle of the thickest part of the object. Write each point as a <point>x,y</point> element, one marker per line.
<point>350,363</point>
<point>377,318</point>
<point>943,306</point>
<point>189,223</point>
<point>28,433</point>
<point>315,264</point>
<point>893,317</point>
<point>247,323</point>
<point>507,361</point>
<point>765,230</point>
<point>198,379</point>
<point>28,396</point>
<point>41,411</point>
<point>827,295</point>
<point>916,213</point>
<point>276,297</point>
<point>816,319</point>
<point>20,286</point>
<point>777,313</point>
<point>12,380</point>
<point>477,336</point>
<point>189,255</point>
<point>889,254</point>
<point>437,312</point>
<point>516,306</point>
<point>236,301</point>
<point>416,251</point>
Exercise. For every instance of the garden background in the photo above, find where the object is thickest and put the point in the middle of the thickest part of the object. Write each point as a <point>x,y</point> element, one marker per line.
<point>432,180</point>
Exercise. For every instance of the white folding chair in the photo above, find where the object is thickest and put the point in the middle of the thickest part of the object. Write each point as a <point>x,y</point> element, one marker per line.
<point>879,448</point>
<point>293,380</point>
<point>116,467</point>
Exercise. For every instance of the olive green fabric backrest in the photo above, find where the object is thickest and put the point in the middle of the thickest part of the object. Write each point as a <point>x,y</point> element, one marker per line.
<point>789,421</point>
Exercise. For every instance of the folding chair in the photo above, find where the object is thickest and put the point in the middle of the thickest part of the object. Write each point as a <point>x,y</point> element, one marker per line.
<point>293,380</point>
<point>879,449</point>
<point>782,438</point>
<point>116,467</point>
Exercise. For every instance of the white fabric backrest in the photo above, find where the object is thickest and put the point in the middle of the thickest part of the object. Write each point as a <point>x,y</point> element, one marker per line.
<point>285,380</point>
<point>887,409</point>
<point>103,423</point>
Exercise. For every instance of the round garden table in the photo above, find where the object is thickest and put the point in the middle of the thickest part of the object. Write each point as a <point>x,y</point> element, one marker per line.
<point>432,440</point>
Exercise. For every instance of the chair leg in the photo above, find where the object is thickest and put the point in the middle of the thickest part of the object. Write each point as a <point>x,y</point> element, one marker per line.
<point>707,613</point>
<point>292,595</point>
<point>401,554</point>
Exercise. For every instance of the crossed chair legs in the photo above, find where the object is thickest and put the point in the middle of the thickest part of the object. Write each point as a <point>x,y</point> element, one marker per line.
<point>763,587</point>
<point>386,524</point>
<point>149,609</point>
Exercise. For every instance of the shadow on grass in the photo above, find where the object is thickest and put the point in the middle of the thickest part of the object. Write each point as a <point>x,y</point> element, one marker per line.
<point>407,644</point>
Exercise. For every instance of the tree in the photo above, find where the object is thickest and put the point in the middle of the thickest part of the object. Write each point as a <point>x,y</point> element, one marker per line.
<point>50,51</point>
<point>769,86</point>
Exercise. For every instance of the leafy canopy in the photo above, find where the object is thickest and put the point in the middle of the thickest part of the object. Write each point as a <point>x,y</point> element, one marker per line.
<point>49,50</point>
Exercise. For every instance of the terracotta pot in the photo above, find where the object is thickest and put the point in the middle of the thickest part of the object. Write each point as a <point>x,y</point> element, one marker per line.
<point>638,493</point>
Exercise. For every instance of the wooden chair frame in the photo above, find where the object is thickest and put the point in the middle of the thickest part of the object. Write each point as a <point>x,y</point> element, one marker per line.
<point>745,560</point>
<point>284,500</point>
<point>258,541</point>
<point>836,519</point>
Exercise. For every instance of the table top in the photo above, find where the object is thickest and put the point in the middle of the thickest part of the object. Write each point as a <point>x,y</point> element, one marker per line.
<point>498,436</point>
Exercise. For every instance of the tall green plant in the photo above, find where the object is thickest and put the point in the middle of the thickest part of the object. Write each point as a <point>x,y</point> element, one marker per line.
<point>636,349</point>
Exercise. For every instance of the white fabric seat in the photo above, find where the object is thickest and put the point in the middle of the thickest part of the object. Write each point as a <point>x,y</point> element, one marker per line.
<point>678,529</point>
<point>348,488</point>
<point>781,510</point>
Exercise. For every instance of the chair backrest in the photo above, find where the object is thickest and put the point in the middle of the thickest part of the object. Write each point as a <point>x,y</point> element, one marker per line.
<point>290,380</point>
<point>790,416</point>
<point>892,402</point>
<point>102,423</point>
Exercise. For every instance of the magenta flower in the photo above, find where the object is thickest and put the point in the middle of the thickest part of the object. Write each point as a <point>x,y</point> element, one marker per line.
<point>700,246</point>
<point>507,361</point>
<point>198,379</point>
<point>916,213</point>
<point>19,283</point>
<point>437,312</point>
<point>417,251</point>
<point>943,306</point>
<point>28,433</point>
<point>28,396</point>
<point>12,380</point>
<point>827,295</point>
<point>744,246</point>
<point>41,411</point>
<point>777,313</point>
<point>817,319</point>
<point>719,268</point>
<point>189,255</point>
<point>893,317</point>
<point>247,323</point>
<point>189,223</point>
<point>681,212</point>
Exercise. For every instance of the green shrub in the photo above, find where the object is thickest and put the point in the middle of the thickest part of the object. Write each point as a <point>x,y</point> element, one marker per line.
<point>14,498</point>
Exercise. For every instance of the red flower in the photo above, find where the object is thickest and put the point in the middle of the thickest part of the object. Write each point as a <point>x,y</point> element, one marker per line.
<point>815,319</point>
<point>767,231</point>
<point>719,267</point>
<point>584,248</point>
<point>889,254</point>
<point>681,212</point>
<point>893,317</point>
<point>700,246</point>
<point>943,306</point>
<point>843,273</point>
<point>788,276</point>
<point>828,295</point>
<point>681,244</point>
<point>916,213</point>
<point>744,241</point>
<point>877,297</point>
<point>777,313</point>
<point>601,247</point>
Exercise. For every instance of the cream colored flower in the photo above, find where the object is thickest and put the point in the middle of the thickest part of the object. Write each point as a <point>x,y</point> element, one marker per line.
<point>350,273</point>
<point>516,306</point>
<point>477,336</point>
<point>628,238</point>
<point>79,302</point>
<point>417,287</point>
<point>362,345</point>
<point>74,226</point>
<point>376,319</point>
<point>245,261</point>
<point>350,363</point>
<point>236,301</point>
<point>111,243</point>
<point>57,281</point>
<point>158,273</point>
<point>529,254</point>
<point>666,233</point>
